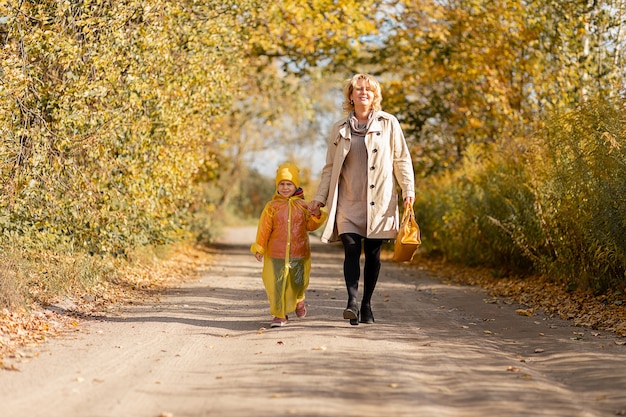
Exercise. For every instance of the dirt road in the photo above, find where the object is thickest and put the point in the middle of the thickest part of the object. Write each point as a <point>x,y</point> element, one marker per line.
<point>206,350</point>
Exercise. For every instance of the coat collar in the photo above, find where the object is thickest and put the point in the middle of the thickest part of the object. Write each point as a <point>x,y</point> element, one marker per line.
<point>376,126</point>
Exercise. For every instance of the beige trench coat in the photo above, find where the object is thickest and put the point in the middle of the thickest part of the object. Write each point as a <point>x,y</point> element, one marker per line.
<point>388,161</point>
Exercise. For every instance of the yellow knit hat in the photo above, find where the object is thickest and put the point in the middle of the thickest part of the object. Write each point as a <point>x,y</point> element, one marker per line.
<point>288,172</point>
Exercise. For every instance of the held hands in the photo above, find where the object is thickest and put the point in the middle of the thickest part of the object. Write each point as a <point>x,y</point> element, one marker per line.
<point>314,208</point>
<point>408,201</point>
<point>258,256</point>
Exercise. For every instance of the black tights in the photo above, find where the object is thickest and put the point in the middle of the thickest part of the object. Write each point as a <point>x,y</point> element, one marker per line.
<point>352,266</point>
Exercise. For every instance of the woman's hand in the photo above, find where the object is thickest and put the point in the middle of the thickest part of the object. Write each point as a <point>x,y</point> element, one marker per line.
<point>408,201</point>
<point>258,256</point>
<point>314,206</point>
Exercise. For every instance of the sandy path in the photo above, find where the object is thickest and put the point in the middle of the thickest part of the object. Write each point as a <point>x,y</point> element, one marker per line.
<point>435,350</point>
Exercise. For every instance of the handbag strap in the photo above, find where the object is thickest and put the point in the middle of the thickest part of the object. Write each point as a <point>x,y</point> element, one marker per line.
<point>408,213</point>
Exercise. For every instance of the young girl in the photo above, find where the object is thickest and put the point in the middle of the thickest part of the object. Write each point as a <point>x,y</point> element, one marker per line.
<point>282,242</point>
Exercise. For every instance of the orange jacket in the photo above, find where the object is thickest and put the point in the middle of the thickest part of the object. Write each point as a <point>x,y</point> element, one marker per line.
<point>285,223</point>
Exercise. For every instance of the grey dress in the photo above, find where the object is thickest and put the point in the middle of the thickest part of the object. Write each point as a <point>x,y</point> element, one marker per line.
<point>352,193</point>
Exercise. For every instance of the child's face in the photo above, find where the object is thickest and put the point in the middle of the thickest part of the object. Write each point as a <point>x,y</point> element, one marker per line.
<point>286,188</point>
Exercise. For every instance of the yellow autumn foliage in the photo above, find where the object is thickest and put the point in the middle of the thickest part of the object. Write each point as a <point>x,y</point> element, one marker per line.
<point>113,114</point>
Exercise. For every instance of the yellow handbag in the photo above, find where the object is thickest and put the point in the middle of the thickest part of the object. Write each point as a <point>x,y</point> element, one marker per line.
<point>408,238</point>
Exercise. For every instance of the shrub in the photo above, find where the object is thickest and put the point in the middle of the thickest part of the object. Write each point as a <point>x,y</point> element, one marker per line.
<point>555,204</point>
<point>581,166</point>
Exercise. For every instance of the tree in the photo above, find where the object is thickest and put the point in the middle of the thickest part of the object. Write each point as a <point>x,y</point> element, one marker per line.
<point>476,71</point>
<point>110,113</point>
<point>114,113</point>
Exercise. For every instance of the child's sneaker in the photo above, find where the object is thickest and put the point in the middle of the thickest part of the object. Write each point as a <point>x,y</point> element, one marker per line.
<point>300,309</point>
<point>278,322</point>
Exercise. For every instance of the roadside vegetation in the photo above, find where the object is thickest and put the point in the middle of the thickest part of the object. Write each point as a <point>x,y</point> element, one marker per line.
<point>553,205</point>
<point>127,129</point>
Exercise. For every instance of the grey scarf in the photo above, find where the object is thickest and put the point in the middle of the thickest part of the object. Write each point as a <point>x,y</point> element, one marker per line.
<point>360,129</point>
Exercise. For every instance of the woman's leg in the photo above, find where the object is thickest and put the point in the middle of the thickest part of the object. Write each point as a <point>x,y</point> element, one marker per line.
<point>372,248</point>
<point>352,272</point>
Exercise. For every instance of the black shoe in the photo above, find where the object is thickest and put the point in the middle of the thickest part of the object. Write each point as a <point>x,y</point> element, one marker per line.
<point>352,313</point>
<point>366,314</point>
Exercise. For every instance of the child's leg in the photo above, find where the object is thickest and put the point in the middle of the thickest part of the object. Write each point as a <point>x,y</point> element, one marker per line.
<point>275,283</point>
<point>298,283</point>
<point>299,270</point>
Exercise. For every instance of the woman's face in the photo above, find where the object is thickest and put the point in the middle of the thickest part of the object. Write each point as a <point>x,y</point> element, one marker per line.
<point>362,95</point>
<point>286,188</point>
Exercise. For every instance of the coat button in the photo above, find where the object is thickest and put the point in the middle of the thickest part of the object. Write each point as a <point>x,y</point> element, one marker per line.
<point>372,186</point>
<point>378,134</point>
<point>371,203</point>
<point>372,168</point>
<point>375,150</point>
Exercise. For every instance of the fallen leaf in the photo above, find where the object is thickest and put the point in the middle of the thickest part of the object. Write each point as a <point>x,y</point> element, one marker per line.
<point>538,350</point>
<point>11,367</point>
<point>523,312</point>
<point>513,369</point>
<point>539,293</point>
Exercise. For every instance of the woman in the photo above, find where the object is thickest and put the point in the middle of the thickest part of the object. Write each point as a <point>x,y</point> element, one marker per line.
<point>366,152</point>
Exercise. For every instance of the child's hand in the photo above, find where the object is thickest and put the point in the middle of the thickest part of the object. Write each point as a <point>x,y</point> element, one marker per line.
<point>317,212</point>
<point>258,256</point>
<point>314,206</point>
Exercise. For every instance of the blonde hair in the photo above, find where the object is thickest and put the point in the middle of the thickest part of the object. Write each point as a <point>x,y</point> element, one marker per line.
<point>350,85</point>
